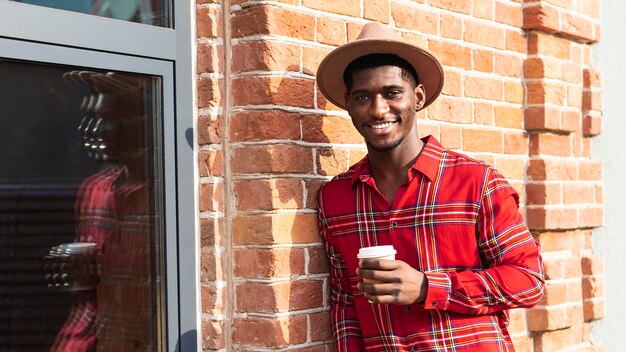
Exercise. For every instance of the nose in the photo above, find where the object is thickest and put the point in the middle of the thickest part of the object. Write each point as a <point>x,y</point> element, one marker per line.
<point>379,107</point>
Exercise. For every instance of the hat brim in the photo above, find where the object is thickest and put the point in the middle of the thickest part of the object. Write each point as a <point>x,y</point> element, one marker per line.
<point>330,72</point>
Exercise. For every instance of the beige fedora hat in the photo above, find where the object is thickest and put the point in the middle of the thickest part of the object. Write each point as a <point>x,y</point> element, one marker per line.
<point>376,38</point>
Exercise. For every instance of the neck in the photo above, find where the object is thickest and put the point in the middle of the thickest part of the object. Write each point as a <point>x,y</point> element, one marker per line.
<point>395,163</point>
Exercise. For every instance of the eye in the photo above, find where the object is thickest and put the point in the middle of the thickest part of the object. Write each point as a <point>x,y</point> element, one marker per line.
<point>359,98</point>
<point>393,94</point>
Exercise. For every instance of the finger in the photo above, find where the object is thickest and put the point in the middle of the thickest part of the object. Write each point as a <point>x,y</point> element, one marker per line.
<point>379,275</point>
<point>380,299</point>
<point>379,264</point>
<point>379,289</point>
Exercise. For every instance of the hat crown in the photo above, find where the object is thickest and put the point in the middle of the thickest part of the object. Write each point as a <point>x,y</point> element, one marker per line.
<point>376,30</point>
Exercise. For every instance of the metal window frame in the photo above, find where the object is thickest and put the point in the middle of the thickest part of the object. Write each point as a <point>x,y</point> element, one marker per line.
<point>47,35</point>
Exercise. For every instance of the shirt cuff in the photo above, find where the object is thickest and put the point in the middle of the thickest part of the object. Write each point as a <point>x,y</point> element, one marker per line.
<point>438,295</point>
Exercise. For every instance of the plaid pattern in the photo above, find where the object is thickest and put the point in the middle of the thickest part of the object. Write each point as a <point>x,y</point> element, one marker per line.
<point>456,220</point>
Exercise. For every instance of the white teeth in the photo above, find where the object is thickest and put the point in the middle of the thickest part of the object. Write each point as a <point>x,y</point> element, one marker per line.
<point>381,125</point>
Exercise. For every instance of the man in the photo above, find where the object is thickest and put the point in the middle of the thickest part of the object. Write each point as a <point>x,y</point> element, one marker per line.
<point>464,255</point>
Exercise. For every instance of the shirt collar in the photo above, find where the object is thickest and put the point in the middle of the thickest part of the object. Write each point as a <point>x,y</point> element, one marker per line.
<point>427,162</point>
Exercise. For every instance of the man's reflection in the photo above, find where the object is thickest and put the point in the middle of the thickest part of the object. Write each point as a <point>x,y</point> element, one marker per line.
<point>112,305</point>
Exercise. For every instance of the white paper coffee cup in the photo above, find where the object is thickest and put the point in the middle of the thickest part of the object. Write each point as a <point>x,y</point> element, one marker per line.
<point>376,252</point>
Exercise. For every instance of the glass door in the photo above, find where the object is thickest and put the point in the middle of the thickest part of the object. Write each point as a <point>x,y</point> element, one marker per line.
<point>85,149</point>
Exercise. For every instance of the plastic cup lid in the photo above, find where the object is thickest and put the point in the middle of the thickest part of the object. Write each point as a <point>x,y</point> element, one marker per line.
<point>375,251</point>
<point>80,247</point>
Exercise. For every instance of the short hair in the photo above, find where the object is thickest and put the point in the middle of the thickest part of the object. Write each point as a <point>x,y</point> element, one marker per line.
<point>378,60</point>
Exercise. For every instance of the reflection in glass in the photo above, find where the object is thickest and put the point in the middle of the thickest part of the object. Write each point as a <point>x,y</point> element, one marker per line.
<point>81,223</point>
<point>153,12</point>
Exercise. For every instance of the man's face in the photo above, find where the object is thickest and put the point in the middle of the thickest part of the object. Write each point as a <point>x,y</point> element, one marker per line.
<point>382,106</point>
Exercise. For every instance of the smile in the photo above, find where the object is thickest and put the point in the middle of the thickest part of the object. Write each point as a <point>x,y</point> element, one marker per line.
<point>380,126</point>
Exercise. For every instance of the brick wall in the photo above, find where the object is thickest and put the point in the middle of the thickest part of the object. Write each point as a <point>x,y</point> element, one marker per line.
<point>520,93</point>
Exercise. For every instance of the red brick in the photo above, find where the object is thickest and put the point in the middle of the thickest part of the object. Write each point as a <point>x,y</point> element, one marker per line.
<point>451,26</point>
<point>211,197</point>
<point>571,73</point>
<point>209,130</point>
<point>589,8</point>
<point>511,168</point>
<point>515,143</point>
<point>376,10</point>
<point>451,110</point>
<point>256,125</point>
<point>592,77</point>
<point>275,229</point>
<point>209,22</point>
<point>480,140</point>
<point>571,121</point>
<point>555,340</point>
<point>546,318</point>
<point>509,117</point>
<point>329,129</point>
<point>269,194</point>
<point>483,88</point>
<point>550,144</point>
<point>541,17</point>
<point>484,34</point>
<point>462,6</point>
<point>318,260</point>
<point>577,27</point>
<point>213,299</point>
<point>576,193</point>
<point>483,60</point>
<point>542,118</point>
<point>275,262</point>
<point>543,193</point>
<point>515,40</point>
<point>593,287</point>
<point>453,84</point>
<point>354,29</point>
<point>508,65</point>
<point>211,232</point>
<point>555,293</point>
<point>213,334</point>
<point>592,100</point>
<point>451,54</point>
<point>270,332</point>
<point>553,169</point>
<point>590,170</point>
<point>513,92</point>
<point>551,219</point>
<point>312,186</point>
<point>210,58</point>
<point>420,20</point>
<point>265,56</point>
<point>209,92</point>
<point>330,31</point>
<point>321,326</point>
<point>592,264</point>
<point>522,342</point>
<point>211,267</point>
<point>575,96</point>
<point>278,90</point>
<point>483,9</point>
<point>451,136</point>
<point>509,13</point>
<point>311,58</point>
<point>590,217</point>
<point>546,92</point>
<point>483,113</point>
<point>343,7</point>
<point>322,103</point>
<point>331,161</point>
<point>517,322</point>
<point>547,44</point>
<point>272,159</point>
<point>594,309</point>
<point>279,297</point>
<point>267,19</point>
<point>559,241</point>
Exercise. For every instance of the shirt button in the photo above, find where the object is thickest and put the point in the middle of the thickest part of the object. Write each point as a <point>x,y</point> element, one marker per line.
<point>413,348</point>
<point>394,224</point>
<point>435,303</point>
<point>407,308</point>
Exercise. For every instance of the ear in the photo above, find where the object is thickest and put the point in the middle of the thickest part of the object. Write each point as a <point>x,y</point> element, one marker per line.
<point>346,97</point>
<point>420,97</point>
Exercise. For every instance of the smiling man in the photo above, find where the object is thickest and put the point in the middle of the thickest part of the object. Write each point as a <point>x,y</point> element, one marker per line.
<point>464,255</point>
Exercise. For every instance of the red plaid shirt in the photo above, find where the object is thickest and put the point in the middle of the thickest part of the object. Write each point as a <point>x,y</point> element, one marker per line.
<point>456,220</point>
